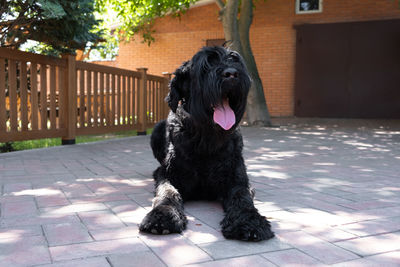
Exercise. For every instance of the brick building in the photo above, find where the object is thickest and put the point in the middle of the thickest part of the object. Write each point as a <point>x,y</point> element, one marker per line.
<point>274,42</point>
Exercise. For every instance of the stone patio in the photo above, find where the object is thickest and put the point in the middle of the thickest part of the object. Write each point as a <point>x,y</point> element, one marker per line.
<point>330,188</point>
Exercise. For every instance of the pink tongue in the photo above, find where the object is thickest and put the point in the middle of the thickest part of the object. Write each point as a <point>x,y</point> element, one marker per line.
<point>224,115</point>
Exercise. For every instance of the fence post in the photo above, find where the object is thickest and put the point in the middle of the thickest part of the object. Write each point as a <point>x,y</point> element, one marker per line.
<point>70,100</point>
<point>167,76</point>
<point>142,102</point>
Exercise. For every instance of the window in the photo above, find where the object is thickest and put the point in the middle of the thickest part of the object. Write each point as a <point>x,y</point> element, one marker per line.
<point>215,42</point>
<point>308,6</point>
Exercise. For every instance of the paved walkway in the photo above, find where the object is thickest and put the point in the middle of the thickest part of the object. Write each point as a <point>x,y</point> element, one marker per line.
<point>331,190</point>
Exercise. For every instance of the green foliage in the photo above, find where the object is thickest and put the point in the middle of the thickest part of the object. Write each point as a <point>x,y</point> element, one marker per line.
<point>6,147</point>
<point>137,16</point>
<point>63,25</point>
<point>107,49</point>
<point>44,49</point>
<point>51,9</point>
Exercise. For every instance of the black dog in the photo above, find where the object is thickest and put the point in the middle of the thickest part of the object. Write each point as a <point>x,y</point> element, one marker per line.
<point>200,148</point>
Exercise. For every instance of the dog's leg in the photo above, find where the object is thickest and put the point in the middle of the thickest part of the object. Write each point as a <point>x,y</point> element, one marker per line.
<point>242,220</point>
<point>167,215</point>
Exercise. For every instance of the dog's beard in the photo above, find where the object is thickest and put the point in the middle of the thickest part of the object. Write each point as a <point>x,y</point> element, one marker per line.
<point>216,101</point>
<point>231,100</point>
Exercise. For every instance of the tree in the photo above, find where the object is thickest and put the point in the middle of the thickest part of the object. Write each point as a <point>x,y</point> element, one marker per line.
<point>237,29</point>
<point>61,26</point>
<point>138,16</point>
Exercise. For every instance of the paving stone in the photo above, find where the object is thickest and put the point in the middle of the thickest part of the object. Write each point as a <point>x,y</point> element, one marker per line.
<point>198,232</point>
<point>372,244</point>
<point>8,199</point>
<point>118,181</point>
<point>101,188</point>
<point>76,190</point>
<point>253,261</point>
<point>100,220</point>
<point>323,251</point>
<point>367,196</point>
<point>382,212</point>
<point>324,206</point>
<point>90,262</point>
<point>203,205</point>
<point>366,205</point>
<point>137,218</point>
<point>389,259</point>
<point>209,213</point>
<point>42,191</point>
<point>136,189</point>
<point>51,201</point>
<point>98,248</point>
<point>99,169</point>
<point>264,208</point>
<point>136,259</point>
<point>330,234</point>
<point>98,199</point>
<point>144,199</point>
<point>233,248</point>
<point>373,227</point>
<point>174,250</point>
<point>337,192</point>
<point>13,173</point>
<point>291,257</point>
<point>30,250</point>
<point>124,208</point>
<point>20,232</point>
<point>330,200</point>
<point>312,217</point>
<point>283,226</point>
<point>115,233</point>
<point>21,208</point>
<point>16,188</point>
<point>37,220</point>
<point>66,233</point>
<point>73,208</point>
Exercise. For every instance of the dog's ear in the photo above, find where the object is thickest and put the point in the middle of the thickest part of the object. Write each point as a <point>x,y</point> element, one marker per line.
<point>177,86</point>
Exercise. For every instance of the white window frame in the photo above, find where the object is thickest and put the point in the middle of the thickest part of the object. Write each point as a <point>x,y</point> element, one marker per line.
<point>298,11</point>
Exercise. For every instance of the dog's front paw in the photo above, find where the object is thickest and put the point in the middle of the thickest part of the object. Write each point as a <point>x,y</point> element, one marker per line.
<point>248,226</point>
<point>164,219</point>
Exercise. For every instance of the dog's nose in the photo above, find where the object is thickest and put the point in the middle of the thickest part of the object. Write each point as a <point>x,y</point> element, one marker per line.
<point>230,73</point>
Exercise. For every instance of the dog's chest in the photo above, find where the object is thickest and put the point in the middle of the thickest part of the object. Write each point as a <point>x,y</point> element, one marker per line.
<point>210,167</point>
<point>203,170</point>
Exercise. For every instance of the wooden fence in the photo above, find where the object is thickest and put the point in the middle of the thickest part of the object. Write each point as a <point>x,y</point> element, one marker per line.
<point>47,97</point>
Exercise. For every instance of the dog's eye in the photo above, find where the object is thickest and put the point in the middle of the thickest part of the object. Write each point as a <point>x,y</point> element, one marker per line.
<point>233,56</point>
<point>212,60</point>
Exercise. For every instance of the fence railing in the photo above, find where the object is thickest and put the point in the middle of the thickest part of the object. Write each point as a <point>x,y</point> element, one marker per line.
<point>45,97</point>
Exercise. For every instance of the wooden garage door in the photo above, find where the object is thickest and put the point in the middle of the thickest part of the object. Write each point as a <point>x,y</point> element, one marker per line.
<point>348,70</point>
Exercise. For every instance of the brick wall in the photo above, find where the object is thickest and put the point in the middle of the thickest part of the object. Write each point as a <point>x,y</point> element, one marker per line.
<point>272,37</point>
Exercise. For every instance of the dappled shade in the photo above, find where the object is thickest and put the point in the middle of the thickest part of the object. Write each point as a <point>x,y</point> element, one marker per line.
<point>330,188</point>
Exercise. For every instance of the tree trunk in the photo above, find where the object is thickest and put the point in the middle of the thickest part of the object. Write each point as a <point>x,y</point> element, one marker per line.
<point>238,31</point>
<point>257,110</point>
<point>230,24</point>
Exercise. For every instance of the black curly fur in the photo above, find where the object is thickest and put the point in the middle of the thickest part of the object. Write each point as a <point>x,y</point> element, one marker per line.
<point>200,160</point>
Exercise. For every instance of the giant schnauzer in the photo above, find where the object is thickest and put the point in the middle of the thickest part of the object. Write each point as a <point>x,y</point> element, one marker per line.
<point>199,148</point>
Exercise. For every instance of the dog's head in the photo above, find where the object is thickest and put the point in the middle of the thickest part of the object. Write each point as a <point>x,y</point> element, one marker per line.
<point>212,88</point>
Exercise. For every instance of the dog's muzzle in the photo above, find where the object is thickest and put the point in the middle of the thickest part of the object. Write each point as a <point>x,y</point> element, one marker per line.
<point>223,113</point>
